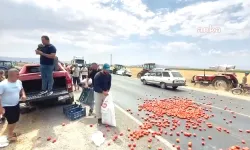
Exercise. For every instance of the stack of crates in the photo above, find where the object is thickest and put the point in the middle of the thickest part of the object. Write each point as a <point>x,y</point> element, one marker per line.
<point>74,111</point>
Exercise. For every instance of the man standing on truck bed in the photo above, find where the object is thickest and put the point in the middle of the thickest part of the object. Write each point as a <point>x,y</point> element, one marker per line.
<point>102,85</point>
<point>11,92</point>
<point>47,55</point>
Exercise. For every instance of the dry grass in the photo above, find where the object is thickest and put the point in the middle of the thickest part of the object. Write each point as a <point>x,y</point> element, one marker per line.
<point>188,74</point>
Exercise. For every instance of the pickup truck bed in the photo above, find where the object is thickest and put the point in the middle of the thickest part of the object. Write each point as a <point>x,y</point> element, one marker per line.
<point>32,84</point>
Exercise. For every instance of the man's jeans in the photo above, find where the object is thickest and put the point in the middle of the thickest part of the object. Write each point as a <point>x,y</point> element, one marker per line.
<point>47,77</point>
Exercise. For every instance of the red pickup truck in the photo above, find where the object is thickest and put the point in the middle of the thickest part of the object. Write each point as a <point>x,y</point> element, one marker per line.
<point>31,78</point>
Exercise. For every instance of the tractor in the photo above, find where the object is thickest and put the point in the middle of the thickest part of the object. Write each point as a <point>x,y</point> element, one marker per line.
<point>223,80</point>
<point>6,65</point>
<point>146,68</point>
<point>116,68</point>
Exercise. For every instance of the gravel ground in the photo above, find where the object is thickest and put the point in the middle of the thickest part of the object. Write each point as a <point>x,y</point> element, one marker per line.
<point>47,121</point>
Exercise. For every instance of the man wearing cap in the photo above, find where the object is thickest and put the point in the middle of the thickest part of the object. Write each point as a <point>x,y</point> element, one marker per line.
<point>102,85</point>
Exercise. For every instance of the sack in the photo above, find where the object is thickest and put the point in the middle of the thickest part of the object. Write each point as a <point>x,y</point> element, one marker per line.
<point>87,96</point>
<point>108,111</point>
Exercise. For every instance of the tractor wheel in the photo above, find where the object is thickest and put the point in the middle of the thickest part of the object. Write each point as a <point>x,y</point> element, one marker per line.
<point>221,83</point>
<point>237,91</point>
<point>138,75</point>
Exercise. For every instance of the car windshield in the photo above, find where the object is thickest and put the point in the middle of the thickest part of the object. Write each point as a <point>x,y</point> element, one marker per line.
<point>176,74</point>
<point>79,61</point>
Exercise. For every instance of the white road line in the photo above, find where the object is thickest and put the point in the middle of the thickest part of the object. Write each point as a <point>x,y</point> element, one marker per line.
<point>248,116</point>
<point>165,142</point>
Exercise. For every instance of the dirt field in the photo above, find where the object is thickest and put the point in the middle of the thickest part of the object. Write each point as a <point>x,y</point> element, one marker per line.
<point>188,74</point>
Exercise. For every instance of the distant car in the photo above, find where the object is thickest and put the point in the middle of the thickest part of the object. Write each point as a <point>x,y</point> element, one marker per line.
<point>164,78</point>
<point>124,72</point>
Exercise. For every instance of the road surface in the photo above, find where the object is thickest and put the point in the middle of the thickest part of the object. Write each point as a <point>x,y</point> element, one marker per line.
<point>127,91</point>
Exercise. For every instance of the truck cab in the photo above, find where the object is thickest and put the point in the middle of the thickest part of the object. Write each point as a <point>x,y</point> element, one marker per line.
<point>79,61</point>
<point>30,76</point>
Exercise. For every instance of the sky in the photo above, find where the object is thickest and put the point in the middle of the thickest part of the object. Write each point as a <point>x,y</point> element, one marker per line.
<point>190,33</point>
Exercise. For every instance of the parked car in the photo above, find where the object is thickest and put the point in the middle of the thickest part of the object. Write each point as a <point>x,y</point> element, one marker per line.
<point>124,72</point>
<point>31,78</point>
<point>164,78</point>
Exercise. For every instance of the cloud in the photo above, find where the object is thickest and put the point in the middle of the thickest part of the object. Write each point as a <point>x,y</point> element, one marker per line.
<point>125,27</point>
<point>177,47</point>
<point>231,16</point>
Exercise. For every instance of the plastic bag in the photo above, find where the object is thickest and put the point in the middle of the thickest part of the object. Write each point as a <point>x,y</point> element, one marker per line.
<point>3,141</point>
<point>98,138</point>
<point>108,111</point>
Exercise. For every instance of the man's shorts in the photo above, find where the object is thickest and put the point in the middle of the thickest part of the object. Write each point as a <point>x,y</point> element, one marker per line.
<point>76,80</point>
<point>12,113</point>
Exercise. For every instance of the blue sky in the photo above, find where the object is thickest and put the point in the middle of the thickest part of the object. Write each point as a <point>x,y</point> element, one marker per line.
<point>133,31</point>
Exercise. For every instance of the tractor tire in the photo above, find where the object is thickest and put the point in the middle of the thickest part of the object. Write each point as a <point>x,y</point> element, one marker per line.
<point>163,85</point>
<point>139,75</point>
<point>221,83</point>
<point>237,91</point>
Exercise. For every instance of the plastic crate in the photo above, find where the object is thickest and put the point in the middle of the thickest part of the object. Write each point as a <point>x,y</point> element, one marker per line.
<point>76,113</point>
<point>69,107</point>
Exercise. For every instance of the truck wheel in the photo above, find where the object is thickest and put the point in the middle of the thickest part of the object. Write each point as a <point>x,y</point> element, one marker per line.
<point>221,83</point>
<point>70,101</point>
<point>144,82</point>
<point>163,85</point>
<point>174,87</point>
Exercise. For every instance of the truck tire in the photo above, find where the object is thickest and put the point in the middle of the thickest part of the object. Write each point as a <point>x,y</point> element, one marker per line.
<point>70,101</point>
<point>174,87</point>
<point>221,83</point>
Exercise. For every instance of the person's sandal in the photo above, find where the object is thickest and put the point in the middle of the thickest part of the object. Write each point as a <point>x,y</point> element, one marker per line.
<point>12,139</point>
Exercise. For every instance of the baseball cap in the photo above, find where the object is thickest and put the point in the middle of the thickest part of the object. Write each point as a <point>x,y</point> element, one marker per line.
<point>106,66</point>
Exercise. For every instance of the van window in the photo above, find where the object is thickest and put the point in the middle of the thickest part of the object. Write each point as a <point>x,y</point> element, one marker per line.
<point>158,74</point>
<point>166,74</point>
<point>176,74</point>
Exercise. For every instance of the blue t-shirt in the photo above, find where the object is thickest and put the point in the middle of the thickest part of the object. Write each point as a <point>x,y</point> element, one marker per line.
<point>48,49</point>
<point>10,92</point>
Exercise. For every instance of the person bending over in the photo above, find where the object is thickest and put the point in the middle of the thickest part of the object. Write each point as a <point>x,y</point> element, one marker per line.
<point>11,92</point>
<point>102,85</point>
<point>47,54</point>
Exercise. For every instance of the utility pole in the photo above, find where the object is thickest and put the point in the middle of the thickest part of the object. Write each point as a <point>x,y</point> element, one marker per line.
<point>111,59</point>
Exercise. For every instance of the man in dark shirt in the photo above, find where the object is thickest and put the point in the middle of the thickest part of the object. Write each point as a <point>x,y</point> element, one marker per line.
<point>93,70</point>
<point>47,55</point>
<point>102,85</point>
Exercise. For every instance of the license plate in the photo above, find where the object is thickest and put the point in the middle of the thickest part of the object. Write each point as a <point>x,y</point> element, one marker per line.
<point>63,97</point>
<point>179,81</point>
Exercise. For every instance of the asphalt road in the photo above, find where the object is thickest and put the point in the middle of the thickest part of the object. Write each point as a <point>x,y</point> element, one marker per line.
<point>129,93</point>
